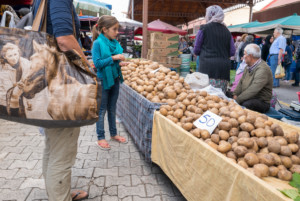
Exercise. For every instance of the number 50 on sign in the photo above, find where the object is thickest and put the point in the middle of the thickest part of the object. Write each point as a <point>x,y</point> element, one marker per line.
<point>208,121</point>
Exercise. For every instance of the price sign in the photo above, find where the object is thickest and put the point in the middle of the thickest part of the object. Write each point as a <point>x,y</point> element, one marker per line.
<point>208,121</point>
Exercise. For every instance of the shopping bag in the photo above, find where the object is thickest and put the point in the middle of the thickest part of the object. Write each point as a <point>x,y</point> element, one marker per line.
<point>11,23</point>
<point>42,86</point>
<point>279,73</point>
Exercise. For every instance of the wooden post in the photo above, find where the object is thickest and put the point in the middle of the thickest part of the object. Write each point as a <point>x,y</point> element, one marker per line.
<point>251,10</point>
<point>145,29</point>
<point>132,9</point>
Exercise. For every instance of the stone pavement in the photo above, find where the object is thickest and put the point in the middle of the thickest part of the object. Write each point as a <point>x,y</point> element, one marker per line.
<point>119,174</point>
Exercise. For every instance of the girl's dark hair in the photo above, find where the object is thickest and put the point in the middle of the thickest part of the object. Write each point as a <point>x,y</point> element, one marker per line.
<point>268,38</point>
<point>106,21</point>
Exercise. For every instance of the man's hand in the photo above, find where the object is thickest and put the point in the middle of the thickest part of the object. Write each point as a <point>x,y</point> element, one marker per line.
<point>234,97</point>
<point>279,61</point>
<point>123,63</point>
<point>20,85</point>
<point>118,57</point>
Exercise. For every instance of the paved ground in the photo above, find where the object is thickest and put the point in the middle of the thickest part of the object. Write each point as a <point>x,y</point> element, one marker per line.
<point>286,92</point>
<point>118,174</point>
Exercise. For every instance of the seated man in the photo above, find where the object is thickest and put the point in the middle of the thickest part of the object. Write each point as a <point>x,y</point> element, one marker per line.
<point>254,90</point>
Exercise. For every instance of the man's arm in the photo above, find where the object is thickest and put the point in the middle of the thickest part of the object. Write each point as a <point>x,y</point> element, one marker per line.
<point>69,42</point>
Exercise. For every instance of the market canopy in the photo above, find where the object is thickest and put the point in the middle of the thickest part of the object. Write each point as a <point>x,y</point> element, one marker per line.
<point>92,8</point>
<point>288,23</point>
<point>163,27</point>
<point>129,22</point>
<point>87,22</point>
<point>178,12</point>
<point>242,27</point>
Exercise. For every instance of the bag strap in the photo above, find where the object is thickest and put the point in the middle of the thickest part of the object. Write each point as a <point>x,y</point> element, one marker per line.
<point>41,16</point>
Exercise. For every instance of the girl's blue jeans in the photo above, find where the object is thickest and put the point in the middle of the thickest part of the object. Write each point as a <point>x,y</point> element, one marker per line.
<point>108,103</point>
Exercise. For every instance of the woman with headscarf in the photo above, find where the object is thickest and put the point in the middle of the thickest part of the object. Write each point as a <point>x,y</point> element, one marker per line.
<point>215,45</point>
<point>266,47</point>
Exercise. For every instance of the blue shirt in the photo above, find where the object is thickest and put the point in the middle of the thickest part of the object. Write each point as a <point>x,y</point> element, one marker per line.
<point>59,17</point>
<point>279,43</point>
<point>97,59</point>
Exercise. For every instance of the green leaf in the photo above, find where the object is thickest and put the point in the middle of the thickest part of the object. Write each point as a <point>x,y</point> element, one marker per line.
<point>295,181</point>
<point>291,193</point>
<point>297,198</point>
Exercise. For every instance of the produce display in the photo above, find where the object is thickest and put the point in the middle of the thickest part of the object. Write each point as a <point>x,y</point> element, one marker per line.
<point>247,138</point>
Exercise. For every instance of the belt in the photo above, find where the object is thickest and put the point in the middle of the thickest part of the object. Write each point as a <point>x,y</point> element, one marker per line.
<point>273,54</point>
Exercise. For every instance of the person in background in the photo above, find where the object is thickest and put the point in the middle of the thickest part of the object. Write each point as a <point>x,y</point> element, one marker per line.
<point>61,143</point>
<point>277,50</point>
<point>183,45</point>
<point>23,11</point>
<point>288,59</point>
<point>87,42</point>
<point>266,47</point>
<point>191,48</point>
<point>107,57</point>
<point>249,39</point>
<point>297,71</point>
<point>215,45</point>
<point>237,50</point>
<point>254,90</point>
<point>236,45</point>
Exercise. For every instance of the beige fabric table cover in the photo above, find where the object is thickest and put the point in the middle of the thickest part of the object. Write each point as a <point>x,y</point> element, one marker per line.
<point>203,174</point>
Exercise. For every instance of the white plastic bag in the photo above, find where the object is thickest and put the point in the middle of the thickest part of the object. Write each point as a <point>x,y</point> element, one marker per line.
<point>11,23</point>
<point>215,91</point>
<point>197,80</point>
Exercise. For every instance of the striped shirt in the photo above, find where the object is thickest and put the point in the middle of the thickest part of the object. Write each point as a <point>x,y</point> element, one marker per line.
<point>251,68</point>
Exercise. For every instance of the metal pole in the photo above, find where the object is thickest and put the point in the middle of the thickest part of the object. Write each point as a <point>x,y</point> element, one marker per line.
<point>132,9</point>
<point>145,29</point>
<point>251,10</point>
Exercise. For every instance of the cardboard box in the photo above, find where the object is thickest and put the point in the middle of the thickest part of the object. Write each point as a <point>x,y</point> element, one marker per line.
<point>164,37</point>
<point>172,65</point>
<point>158,59</point>
<point>160,44</point>
<point>174,60</point>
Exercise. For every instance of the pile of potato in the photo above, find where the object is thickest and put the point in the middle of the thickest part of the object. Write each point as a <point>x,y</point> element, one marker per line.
<point>247,138</point>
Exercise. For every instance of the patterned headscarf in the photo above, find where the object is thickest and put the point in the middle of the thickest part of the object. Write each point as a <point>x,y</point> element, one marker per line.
<point>214,14</point>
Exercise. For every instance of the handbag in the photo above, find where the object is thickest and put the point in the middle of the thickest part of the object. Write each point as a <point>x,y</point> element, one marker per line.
<point>286,60</point>
<point>280,72</point>
<point>42,86</point>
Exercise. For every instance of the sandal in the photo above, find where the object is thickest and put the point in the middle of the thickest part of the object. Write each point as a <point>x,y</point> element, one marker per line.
<point>77,195</point>
<point>119,139</point>
<point>102,145</point>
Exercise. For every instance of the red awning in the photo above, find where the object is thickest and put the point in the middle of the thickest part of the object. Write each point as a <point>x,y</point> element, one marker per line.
<point>163,27</point>
<point>16,2</point>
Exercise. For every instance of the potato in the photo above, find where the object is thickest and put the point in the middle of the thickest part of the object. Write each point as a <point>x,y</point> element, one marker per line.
<point>186,102</point>
<point>171,102</point>
<point>175,120</point>
<point>264,150</point>
<point>294,147</point>
<point>262,142</point>
<point>273,171</point>
<point>251,118</point>
<point>243,164</point>
<point>216,131</point>
<point>285,151</point>
<point>224,135</point>
<point>178,113</point>
<point>240,151</point>
<point>281,167</point>
<point>215,138</point>
<point>285,175</point>
<point>242,119</point>
<point>244,134</point>
<point>269,133</point>
<point>247,142</point>
<point>179,124</point>
<point>234,145</point>
<point>277,159</point>
<point>187,126</point>
<point>274,146</point>
<point>234,132</point>
<point>254,148</point>
<point>225,126</point>
<point>224,146</point>
<point>163,111</point>
<point>186,120</point>
<point>266,159</point>
<point>259,132</point>
<point>268,123</point>
<point>203,93</point>
<point>234,115</point>
<point>295,159</point>
<point>181,96</point>
<point>232,139</point>
<point>231,154</point>
<point>247,127</point>
<point>282,141</point>
<point>295,168</point>
<point>205,134</point>
<point>261,170</point>
<point>167,107</point>
<point>259,124</point>
<point>286,161</point>
<point>251,159</point>
<point>277,130</point>
<point>196,132</point>
<point>292,137</point>
<point>212,144</point>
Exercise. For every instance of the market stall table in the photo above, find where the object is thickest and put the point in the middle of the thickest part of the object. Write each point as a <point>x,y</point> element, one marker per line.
<point>202,173</point>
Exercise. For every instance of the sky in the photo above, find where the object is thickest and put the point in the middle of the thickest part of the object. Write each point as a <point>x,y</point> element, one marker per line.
<point>118,6</point>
